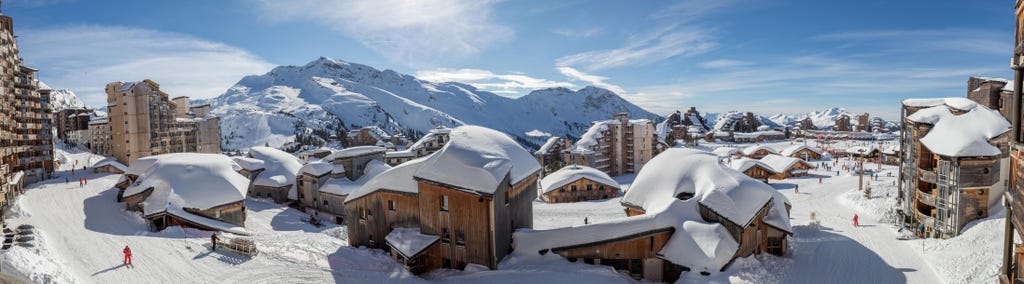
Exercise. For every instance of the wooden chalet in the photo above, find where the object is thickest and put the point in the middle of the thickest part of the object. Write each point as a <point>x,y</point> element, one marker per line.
<point>787,167</point>
<point>109,165</point>
<point>577,183</point>
<point>1012,270</point>
<point>804,152</point>
<point>752,168</point>
<point>654,246</point>
<point>423,194</point>
<point>756,152</point>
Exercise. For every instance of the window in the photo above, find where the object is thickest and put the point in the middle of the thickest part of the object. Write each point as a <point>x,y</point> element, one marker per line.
<point>561,189</point>
<point>444,203</point>
<point>460,238</point>
<point>447,236</point>
<point>573,188</point>
<point>507,197</point>
<point>446,263</point>
<point>590,187</point>
<point>302,196</point>
<point>362,213</point>
<point>325,202</point>
<point>391,205</point>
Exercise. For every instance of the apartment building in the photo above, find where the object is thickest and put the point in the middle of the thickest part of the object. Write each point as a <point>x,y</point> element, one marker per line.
<point>617,146</point>
<point>150,123</point>
<point>99,135</point>
<point>26,150</point>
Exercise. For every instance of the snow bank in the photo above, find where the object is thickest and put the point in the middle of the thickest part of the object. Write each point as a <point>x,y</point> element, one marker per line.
<point>187,180</point>
<point>281,168</point>
<point>478,159</point>
<point>963,135</point>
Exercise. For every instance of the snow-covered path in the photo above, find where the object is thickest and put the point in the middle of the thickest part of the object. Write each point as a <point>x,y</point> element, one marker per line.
<point>838,252</point>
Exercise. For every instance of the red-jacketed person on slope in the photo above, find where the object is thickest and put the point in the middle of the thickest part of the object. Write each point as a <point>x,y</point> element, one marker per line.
<point>855,223</point>
<point>128,257</point>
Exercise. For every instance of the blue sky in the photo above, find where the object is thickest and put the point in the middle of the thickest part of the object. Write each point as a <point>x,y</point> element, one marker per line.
<point>718,55</point>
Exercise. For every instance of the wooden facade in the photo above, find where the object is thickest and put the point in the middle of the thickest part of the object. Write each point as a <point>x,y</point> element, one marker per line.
<point>473,227</point>
<point>232,213</point>
<point>582,189</point>
<point>806,154</point>
<point>798,169</point>
<point>759,172</point>
<point>1011,270</point>
<point>636,254</point>
<point>760,153</point>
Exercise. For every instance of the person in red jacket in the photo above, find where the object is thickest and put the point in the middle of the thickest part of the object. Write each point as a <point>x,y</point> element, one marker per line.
<point>127,256</point>
<point>855,223</point>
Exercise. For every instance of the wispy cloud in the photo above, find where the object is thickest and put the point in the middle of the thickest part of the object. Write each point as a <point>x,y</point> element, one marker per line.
<point>659,45</point>
<point>420,33</point>
<point>507,84</point>
<point>578,33</point>
<point>596,81</point>
<point>86,58</point>
<point>724,63</point>
<point>959,40</point>
<point>33,3</point>
<point>689,10</point>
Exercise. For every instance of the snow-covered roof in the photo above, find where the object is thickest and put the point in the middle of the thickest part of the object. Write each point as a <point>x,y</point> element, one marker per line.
<point>891,150</point>
<point>753,149</point>
<point>206,222</point>
<point>478,159</point>
<point>861,150</point>
<point>756,134</point>
<point>399,178</point>
<point>547,145</point>
<point>573,173</point>
<point>780,163</point>
<point>187,180</point>
<point>789,151</point>
<point>344,186</point>
<point>725,151</point>
<point>111,162</point>
<point>963,135</point>
<point>249,164</point>
<point>695,243</point>
<point>317,168</point>
<point>399,154</point>
<point>589,139</point>
<point>354,152</point>
<point>744,164</point>
<point>409,241</point>
<point>280,168</point>
<point>732,194</point>
<point>954,102</point>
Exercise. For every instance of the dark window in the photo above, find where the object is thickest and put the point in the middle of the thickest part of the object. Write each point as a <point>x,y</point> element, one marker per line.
<point>444,203</point>
<point>573,187</point>
<point>362,213</point>
<point>507,197</point>
<point>446,263</point>
<point>391,205</point>
<point>460,238</point>
<point>325,202</point>
<point>446,237</point>
<point>561,189</point>
<point>589,187</point>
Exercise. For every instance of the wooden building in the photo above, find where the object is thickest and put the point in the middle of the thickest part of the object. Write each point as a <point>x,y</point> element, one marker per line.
<point>752,168</point>
<point>109,165</point>
<point>324,185</point>
<point>946,183</point>
<point>274,178</point>
<point>577,183</point>
<point>757,151</point>
<point>807,153</point>
<point>655,245</point>
<point>1012,270</point>
<point>496,178</point>
<point>550,155</point>
<point>786,167</point>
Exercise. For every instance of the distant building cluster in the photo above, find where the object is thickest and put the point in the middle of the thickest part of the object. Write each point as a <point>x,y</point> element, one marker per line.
<point>144,121</point>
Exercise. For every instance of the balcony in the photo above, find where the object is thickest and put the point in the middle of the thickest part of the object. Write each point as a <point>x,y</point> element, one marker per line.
<point>924,219</point>
<point>926,198</point>
<point>927,176</point>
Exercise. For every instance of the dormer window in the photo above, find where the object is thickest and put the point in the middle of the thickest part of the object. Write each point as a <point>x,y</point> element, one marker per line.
<point>684,195</point>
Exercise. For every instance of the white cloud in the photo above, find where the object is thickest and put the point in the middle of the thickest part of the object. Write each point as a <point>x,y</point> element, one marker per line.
<point>509,84</point>
<point>659,45</point>
<point>689,10</point>
<point>86,58</point>
<point>725,63</point>
<point>578,33</point>
<point>594,80</point>
<point>419,33</point>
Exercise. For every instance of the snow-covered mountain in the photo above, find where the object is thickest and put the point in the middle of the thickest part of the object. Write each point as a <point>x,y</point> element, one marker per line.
<point>64,99</point>
<point>824,119</point>
<point>720,120</point>
<point>329,93</point>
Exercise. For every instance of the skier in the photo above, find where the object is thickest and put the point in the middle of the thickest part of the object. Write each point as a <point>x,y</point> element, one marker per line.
<point>819,180</point>
<point>128,257</point>
<point>796,188</point>
<point>65,180</point>
<point>86,179</point>
<point>586,220</point>
<point>79,182</point>
<point>214,239</point>
<point>855,219</point>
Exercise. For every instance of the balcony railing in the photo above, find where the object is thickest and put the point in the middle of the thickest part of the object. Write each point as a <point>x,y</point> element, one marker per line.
<point>927,176</point>
<point>926,198</point>
<point>924,219</point>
